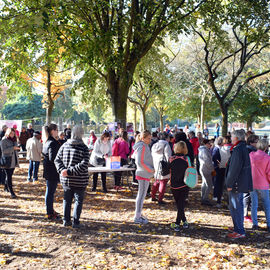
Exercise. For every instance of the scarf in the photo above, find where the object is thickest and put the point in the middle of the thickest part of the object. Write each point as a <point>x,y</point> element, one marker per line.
<point>234,145</point>
<point>14,139</point>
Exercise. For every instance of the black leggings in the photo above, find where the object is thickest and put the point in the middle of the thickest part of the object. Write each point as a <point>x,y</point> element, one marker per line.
<point>118,175</point>
<point>180,195</point>
<point>103,179</point>
<point>8,184</point>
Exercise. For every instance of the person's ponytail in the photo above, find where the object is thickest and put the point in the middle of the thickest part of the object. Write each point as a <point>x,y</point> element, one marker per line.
<point>46,131</point>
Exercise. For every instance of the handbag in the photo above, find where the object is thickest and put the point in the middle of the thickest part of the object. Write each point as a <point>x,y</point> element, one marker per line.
<point>164,165</point>
<point>5,162</point>
<point>101,162</point>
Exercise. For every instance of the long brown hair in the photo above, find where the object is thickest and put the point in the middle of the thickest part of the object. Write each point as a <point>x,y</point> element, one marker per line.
<point>47,130</point>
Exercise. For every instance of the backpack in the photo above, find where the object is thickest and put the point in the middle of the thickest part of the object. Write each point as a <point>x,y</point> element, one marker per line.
<point>164,165</point>
<point>224,155</point>
<point>191,176</point>
<point>115,148</point>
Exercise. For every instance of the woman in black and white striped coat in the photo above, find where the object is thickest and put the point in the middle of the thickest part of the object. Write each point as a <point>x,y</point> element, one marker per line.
<point>72,164</point>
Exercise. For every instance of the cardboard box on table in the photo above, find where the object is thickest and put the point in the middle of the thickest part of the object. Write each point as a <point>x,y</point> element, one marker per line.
<point>113,162</point>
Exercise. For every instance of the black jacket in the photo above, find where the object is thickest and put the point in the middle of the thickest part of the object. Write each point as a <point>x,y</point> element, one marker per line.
<point>251,148</point>
<point>238,171</point>
<point>178,168</point>
<point>181,136</point>
<point>49,152</point>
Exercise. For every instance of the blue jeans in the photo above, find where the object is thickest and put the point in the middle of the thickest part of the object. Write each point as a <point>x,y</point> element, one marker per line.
<point>49,195</point>
<point>33,168</point>
<point>236,207</point>
<point>254,205</point>
<point>78,194</point>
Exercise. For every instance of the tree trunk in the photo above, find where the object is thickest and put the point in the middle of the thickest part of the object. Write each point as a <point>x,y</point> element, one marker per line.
<point>202,111</point>
<point>224,112</point>
<point>49,109</point>
<point>118,88</point>
<point>143,119</point>
<point>249,123</point>
<point>135,117</point>
<point>161,121</point>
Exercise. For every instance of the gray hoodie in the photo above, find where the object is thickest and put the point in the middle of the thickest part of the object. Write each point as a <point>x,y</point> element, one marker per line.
<point>143,160</point>
<point>205,159</point>
<point>157,154</point>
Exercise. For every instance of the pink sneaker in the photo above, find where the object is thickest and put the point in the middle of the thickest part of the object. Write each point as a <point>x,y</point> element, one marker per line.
<point>248,219</point>
<point>235,235</point>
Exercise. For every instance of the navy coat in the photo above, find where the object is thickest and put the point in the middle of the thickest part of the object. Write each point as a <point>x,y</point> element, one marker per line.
<point>238,172</point>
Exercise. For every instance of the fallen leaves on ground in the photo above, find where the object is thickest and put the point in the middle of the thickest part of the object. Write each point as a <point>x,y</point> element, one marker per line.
<point>109,239</point>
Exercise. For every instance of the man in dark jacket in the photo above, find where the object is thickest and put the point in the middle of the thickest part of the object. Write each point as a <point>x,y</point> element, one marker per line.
<point>181,136</point>
<point>238,181</point>
<point>154,139</point>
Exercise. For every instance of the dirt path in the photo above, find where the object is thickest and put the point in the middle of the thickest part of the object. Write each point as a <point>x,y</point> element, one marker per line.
<point>109,239</point>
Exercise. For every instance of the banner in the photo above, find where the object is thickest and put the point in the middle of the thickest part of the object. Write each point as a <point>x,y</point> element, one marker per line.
<point>11,123</point>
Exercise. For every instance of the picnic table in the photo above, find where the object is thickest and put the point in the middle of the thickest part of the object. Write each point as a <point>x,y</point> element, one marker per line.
<point>125,175</point>
<point>22,155</point>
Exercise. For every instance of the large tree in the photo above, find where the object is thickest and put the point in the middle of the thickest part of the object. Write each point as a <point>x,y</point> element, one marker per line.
<point>252,105</point>
<point>150,79</point>
<point>32,56</point>
<point>234,33</point>
<point>109,38</point>
<point>24,108</point>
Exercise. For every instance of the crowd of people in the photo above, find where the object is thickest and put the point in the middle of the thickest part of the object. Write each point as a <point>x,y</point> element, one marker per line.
<point>237,163</point>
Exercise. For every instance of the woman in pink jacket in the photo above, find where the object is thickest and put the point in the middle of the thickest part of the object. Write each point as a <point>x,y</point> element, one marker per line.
<point>120,148</point>
<point>260,166</point>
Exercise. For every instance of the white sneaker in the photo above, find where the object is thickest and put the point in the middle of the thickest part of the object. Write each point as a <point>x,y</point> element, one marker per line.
<point>214,198</point>
<point>141,220</point>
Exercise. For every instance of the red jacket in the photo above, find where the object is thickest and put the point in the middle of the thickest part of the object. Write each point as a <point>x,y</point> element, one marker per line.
<point>195,145</point>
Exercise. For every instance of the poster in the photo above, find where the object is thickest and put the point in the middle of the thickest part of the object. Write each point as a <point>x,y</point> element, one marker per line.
<point>11,123</point>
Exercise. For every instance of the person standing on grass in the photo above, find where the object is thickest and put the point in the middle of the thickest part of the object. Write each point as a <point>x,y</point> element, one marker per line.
<point>30,130</point>
<point>102,150</point>
<point>160,150</point>
<point>120,148</point>
<point>252,140</point>
<point>220,172</point>
<point>72,162</point>
<point>24,136</point>
<point>178,166</point>
<point>49,152</point>
<point>238,180</point>
<point>9,148</point>
<point>181,136</point>
<point>206,171</point>
<point>195,145</point>
<point>34,151</point>
<point>92,139</point>
<point>217,129</point>
<point>2,172</point>
<point>205,132</point>
<point>144,172</point>
<point>260,166</point>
